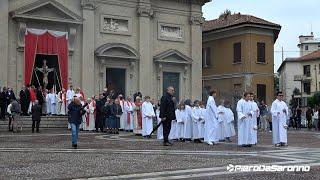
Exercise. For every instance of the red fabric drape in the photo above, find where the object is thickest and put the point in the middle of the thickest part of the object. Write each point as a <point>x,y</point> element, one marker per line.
<point>29,56</point>
<point>50,45</point>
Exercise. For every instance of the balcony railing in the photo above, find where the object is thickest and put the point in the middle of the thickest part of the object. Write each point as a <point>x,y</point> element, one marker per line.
<point>301,78</point>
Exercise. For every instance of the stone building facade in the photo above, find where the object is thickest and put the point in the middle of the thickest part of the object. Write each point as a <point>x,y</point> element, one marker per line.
<point>238,56</point>
<point>128,45</point>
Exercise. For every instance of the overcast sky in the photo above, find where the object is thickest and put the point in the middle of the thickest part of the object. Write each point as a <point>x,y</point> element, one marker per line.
<point>295,16</point>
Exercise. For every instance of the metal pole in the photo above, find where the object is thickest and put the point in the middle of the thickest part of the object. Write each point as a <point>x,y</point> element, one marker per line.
<point>315,72</point>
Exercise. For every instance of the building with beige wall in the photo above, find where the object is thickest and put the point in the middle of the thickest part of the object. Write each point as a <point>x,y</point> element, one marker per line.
<point>308,44</point>
<point>238,56</point>
<point>127,45</point>
<point>301,73</point>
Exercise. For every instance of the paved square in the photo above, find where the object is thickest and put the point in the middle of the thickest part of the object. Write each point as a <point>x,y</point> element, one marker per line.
<point>100,156</point>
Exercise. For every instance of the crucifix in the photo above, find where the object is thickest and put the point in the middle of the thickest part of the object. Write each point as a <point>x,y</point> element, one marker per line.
<point>45,70</point>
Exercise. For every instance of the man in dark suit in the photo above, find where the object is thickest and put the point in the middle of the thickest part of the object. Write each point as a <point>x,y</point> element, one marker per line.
<point>100,116</point>
<point>4,103</point>
<point>167,114</point>
<point>24,100</point>
<point>36,112</point>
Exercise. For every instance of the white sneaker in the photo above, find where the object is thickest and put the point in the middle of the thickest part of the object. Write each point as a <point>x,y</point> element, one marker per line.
<point>210,143</point>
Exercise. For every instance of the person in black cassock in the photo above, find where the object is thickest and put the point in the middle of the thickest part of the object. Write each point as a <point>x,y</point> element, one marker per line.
<point>24,100</point>
<point>100,116</point>
<point>167,114</point>
<point>4,103</point>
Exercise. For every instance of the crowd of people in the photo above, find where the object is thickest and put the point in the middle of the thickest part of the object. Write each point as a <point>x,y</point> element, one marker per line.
<point>185,120</point>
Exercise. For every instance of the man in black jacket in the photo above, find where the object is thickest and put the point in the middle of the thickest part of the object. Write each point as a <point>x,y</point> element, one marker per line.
<point>167,114</point>
<point>36,112</point>
<point>24,100</point>
<point>4,103</point>
<point>100,116</point>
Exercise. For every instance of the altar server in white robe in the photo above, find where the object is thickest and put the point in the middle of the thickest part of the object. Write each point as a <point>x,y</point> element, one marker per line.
<point>129,110</point>
<point>244,110</point>
<point>188,123</point>
<point>211,120</point>
<point>203,112</point>
<point>228,124</point>
<point>181,116</point>
<point>147,117</point>
<point>222,118</point>
<point>255,115</point>
<point>197,118</point>
<point>280,114</point>
<point>70,94</point>
<point>48,103</point>
<point>90,115</point>
<point>62,102</point>
<point>160,129</point>
<point>53,100</point>
<point>123,117</point>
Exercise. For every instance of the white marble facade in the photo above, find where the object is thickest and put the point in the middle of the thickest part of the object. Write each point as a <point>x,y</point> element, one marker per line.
<point>144,37</point>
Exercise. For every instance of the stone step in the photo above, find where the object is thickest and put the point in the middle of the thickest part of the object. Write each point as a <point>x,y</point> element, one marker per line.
<point>46,122</point>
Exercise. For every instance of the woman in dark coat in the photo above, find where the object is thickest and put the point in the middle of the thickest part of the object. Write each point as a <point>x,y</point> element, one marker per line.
<point>115,113</point>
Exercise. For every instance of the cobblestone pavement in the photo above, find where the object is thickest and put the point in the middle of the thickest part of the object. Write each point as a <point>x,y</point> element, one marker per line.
<point>48,155</point>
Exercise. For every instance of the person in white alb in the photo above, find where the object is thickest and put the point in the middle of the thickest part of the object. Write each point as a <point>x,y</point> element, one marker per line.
<point>255,115</point>
<point>147,117</point>
<point>181,117</point>
<point>197,118</point>
<point>280,115</point>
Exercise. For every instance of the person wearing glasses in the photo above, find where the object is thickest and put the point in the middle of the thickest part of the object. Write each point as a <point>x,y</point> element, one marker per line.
<point>280,114</point>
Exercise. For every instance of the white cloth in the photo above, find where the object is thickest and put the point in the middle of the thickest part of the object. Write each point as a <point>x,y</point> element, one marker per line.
<point>173,130</point>
<point>211,121</point>
<point>129,110</point>
<point>69,96</point>
<point>188,123</point>
<point>279,121</point>
<point>244,110</point>
<point>147,116</point>
<point>221,120</point>
<point>90,114</point>
<point>62,103</point>
<point>181,116</point>
<point>160,129</point>
<point>43,31</point>
<point>48,104</point>
<point>123,116</point>
<point>197,118</point>
<point>52,100</point>
<point>254,125</point>
<point>202,125</point>
<point>229,126</point>
<point>9,109</point>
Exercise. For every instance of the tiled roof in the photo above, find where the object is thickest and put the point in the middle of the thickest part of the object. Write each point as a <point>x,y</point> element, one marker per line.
<point>225,21</point>
<point>310,56</point>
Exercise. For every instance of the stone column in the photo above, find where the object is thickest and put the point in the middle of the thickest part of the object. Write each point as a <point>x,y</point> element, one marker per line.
<point>196,54</point>
<point>4,35</point>
<point>88,61</point>
<point>20,54</point>
<point>145,13</point>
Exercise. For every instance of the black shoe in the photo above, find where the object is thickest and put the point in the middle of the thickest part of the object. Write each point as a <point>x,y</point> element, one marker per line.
<point>75,146</point>
<point>167,144</point>
<point>37,131</point>
<point>32,131</point>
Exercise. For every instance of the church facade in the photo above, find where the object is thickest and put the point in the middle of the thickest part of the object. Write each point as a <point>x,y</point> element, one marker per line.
<point>127,45</point>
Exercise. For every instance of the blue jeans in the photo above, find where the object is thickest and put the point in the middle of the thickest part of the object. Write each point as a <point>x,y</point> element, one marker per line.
<point>74,133</point>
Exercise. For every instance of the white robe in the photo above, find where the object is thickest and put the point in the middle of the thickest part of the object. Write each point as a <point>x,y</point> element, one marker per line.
<point>61,104</point>
<point>48,104</point>
<point>160,129</point>
<point>147,122</point>
<point>203,112</point>
<point>188,123</point>
<point>91,117</point>
<point>229,127</point>
<point>181,116</point>
<point>197,118</point>
<point>244,108</point>
<point>254,129</point>
<point>211,121</point>
<point>129,110</point>
<point>279,121</point>
<point>69,96</point>
<point>173,130</point>
<point>53,101</point>
<point>123,116</point>
<point>222,118</point>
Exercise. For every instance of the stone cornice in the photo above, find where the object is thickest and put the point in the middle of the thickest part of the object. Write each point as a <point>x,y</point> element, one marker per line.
<point>201,2</point>
<point>197,20</point>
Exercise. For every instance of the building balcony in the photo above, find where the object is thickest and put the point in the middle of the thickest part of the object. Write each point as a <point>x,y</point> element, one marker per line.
<point>303,78</point>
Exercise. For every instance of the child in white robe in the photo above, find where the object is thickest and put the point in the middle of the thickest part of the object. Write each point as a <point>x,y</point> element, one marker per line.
<point>147,117</point>
<point>197,117</point>
<point>203,112</point>
<point>221,120</point>
<point>160,129</point>
<point>181,116</point>
<point>228,124</point>
<point>188,122</point>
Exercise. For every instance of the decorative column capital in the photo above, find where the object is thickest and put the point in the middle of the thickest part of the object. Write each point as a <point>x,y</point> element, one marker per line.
<point>88,5</point>
<point>145,11</point>
<point>21,34</point>
<point>197,20</point>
